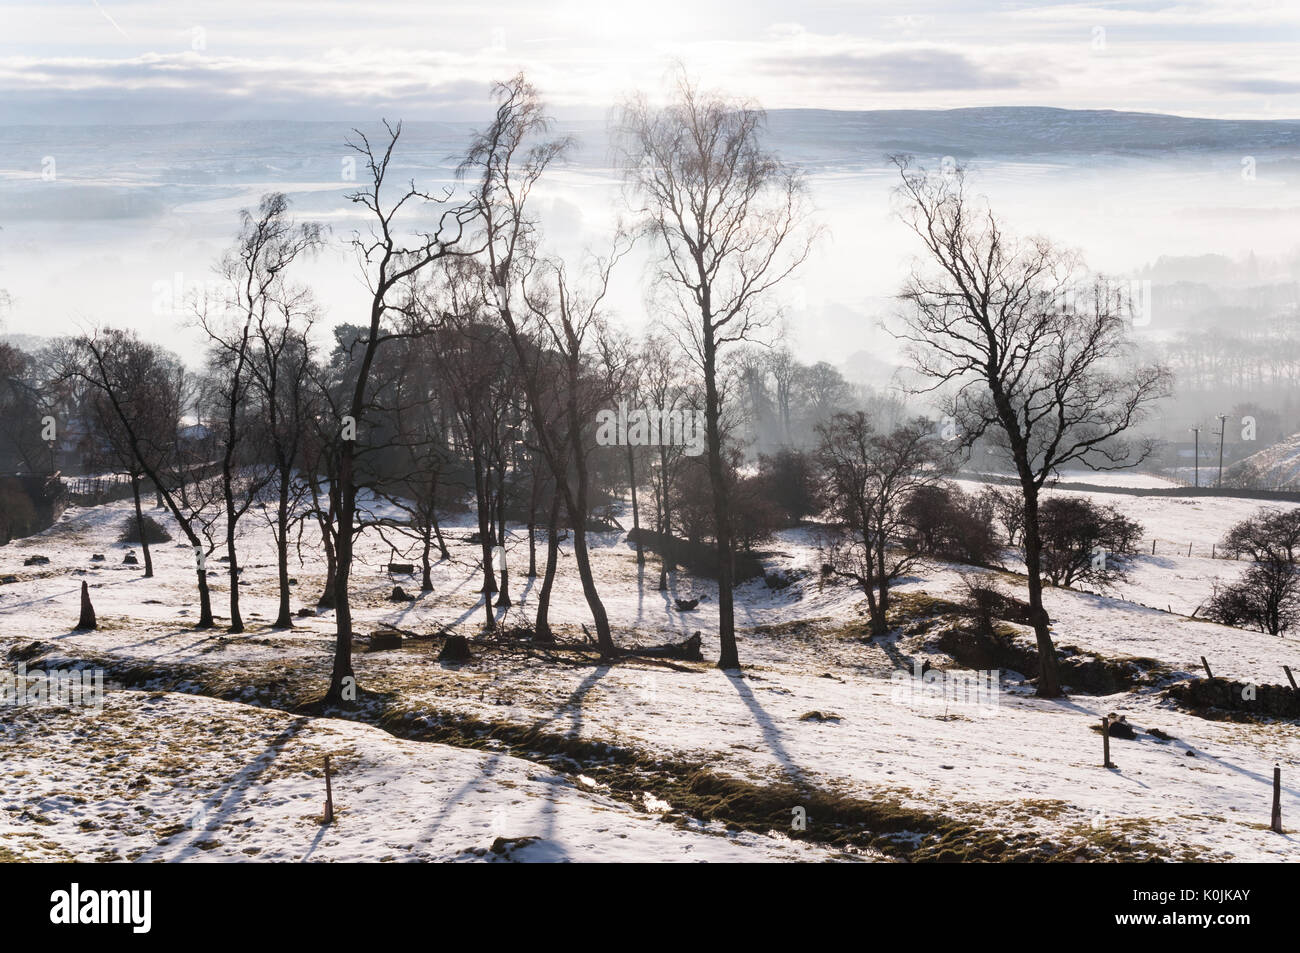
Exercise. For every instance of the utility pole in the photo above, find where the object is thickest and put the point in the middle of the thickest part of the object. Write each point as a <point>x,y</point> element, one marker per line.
<point>1223,418</point>
<point>1196,455</point>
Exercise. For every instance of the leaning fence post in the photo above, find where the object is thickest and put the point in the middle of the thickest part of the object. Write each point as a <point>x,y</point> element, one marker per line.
<point>1208,673</point>
<point>1189,549</point>
<point>1277,800</point>
<point>1290,678</point>
<point>1153,547</point>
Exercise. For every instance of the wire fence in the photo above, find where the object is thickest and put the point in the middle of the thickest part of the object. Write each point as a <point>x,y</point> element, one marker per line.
<point>1164,546</point>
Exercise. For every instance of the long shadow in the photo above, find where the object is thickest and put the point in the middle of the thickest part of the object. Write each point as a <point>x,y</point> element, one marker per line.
<point>528,587</point>
<point>228,797</point>
<point>680,622</point>
<point>640,591</point>
<point>40,599</point>
<point>574,704</point>
<point>890,647</point>
<point>459,796</point>
<point>771,734</point>
<point>1254,776</point>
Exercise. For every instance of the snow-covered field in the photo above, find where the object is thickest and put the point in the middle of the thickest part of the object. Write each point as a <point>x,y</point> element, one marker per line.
<point>501,757</point>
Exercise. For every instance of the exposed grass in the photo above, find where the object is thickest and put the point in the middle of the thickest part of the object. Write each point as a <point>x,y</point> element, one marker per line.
<point>876,825</point>
<point>881,825</point>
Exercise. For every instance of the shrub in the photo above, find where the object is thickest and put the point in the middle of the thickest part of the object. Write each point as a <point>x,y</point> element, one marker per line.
<point>788,482</point>
<point>948,524</point>
<point>153,531</point>
<point>1266,598</point>
<point>1085,542</point>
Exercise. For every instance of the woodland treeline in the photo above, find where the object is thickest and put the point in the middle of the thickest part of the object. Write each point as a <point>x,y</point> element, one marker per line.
<point>475,378</point>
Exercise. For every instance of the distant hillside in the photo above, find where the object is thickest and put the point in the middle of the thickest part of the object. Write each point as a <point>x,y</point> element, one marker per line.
<point>1276,467</point>
<point>1008,131</point>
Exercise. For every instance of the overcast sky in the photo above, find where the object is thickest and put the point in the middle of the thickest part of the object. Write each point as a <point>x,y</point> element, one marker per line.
<point>135,61</point>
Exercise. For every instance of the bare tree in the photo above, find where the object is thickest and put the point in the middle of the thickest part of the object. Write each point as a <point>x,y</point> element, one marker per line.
<point>666,390</point>
<point>623,367</point>
<point>868,480</point>
<point>1023,350</point>
<point>551,321</point>
<point>25,401</point>
<point>727,218</point>
<point>281,366</point>
<point>785,374</point>
<point>389,257</point>
<point>114,451</point>
<point>254,268</point>
<point>146,390</point>
<point>1084,542</point>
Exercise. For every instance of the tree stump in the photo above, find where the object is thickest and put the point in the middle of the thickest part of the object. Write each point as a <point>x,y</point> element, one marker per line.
<point>455,649</point>
<point>87,620</point>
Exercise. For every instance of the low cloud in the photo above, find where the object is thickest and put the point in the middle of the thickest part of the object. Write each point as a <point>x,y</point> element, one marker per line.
<point>918,69</point>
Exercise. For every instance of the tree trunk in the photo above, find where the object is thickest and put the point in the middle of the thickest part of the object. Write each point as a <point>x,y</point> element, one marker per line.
<point>1049,680</point>
<point>139,527</point>
<point>342,679</point>
<point>532,525</point>
<point>577,507</point>
<point>543,629</point>
<point>227,488</point>
<point>503,600</point>
<point>485,539</point>
<point>426,579</point>
<point>729,657</point>
<point>205,601</point>
<point>659,527</point>
<point>636,513</point>
<point>283,618</point>
<point>326,600</point>
<point>443,552</point>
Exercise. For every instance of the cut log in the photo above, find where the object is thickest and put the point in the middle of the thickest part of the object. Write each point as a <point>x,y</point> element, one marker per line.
<point>688,650</point>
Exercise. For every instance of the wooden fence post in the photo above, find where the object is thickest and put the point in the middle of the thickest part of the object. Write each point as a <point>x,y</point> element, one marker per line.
<point>1105,743</point>
<point>1277,799</point>
<point>329,794</point>
<point>1290,678</point>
